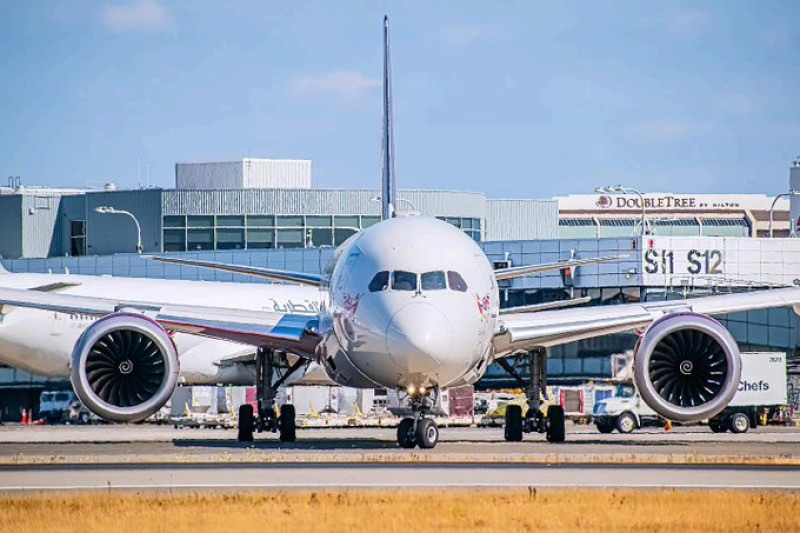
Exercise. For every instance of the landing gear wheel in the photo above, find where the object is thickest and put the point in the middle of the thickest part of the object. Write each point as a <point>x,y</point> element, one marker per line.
<point>739,423</point>
<point>513,427</point>
<point>286,424</point>
<point>427,433</point>
<point>716,426</point>
<point>605,428</point>
<point>405,433</point>
<point>556,425</point>
<point>246,423</point>
<point>626,423</point>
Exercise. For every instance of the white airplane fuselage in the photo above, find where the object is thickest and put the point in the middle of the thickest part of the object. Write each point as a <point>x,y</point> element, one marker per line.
<point>42,341</point>
<point>429,325</point>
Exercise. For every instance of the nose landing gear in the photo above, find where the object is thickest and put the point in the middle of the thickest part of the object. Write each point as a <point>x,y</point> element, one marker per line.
<point>535,420</point>
<point>418,430</point>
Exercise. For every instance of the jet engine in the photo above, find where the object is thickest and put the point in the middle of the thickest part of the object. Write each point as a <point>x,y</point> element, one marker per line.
<point>687,367</point>
<point>124,367</point>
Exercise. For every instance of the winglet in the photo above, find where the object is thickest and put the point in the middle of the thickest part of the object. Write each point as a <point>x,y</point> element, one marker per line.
<point>388,190</point>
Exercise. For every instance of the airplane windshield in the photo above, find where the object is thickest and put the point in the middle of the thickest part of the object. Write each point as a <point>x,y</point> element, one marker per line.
<point>456,282</point>
<point>433,281</point>
<point>404,281</point>
<point>380,282</point>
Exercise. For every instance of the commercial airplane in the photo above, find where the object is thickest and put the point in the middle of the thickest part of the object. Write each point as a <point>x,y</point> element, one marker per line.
<point>411,303</point>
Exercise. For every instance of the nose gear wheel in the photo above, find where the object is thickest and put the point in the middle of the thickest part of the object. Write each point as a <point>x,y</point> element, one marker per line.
<point>419,430</point>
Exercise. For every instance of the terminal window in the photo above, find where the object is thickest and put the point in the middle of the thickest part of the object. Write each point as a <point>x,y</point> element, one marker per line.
<point>183,233</point>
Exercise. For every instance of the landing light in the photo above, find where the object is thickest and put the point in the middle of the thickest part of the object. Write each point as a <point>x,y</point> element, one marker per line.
<point>422,390</point>
<point>411,389</point>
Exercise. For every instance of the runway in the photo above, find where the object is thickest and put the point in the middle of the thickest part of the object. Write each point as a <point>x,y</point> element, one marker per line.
<point>389,476</point>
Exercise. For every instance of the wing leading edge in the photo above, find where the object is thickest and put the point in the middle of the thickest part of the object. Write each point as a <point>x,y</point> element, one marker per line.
<point>524,331</point>
<point>527,270</point>
<point>272,274</point>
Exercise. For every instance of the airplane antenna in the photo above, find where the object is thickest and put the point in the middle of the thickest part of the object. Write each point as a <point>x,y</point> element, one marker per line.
<point>388,192</point>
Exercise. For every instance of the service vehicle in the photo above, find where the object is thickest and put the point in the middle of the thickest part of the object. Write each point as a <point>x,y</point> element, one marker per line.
<point>62,406</point>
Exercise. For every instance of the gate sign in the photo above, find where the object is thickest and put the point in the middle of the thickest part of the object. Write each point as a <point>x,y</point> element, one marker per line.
<point>719,261</point>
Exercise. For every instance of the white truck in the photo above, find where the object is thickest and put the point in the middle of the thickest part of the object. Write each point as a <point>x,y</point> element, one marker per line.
<point>762,385</point>
<point>63,407</point>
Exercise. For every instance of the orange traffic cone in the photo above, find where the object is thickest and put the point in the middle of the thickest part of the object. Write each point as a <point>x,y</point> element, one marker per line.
<point>24,416</point>
<point>668,425</point>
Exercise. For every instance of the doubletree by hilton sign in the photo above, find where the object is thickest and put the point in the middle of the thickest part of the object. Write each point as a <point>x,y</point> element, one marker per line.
<point>662,202</point>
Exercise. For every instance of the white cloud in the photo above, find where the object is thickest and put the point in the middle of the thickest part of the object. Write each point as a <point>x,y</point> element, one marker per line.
<point>461,34</point>
<point>342,85</point>
<point>668,130</point>
<point>145,15</point>
<point>686,21</point>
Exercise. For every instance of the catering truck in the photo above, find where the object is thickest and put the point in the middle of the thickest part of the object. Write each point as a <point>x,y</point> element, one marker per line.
<point>762,386</point>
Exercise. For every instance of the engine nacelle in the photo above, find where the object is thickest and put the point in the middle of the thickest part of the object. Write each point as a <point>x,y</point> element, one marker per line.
<point>124,367</point>
<point>687,367</point>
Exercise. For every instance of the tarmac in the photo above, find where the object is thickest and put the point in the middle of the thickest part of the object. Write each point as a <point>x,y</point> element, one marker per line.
<point>145,458</point>
<point>145,444</point>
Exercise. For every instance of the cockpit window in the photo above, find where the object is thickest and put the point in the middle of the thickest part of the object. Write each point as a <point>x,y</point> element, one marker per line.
<point>433,281</point>
<point>456,282</point>
<point>380,282</point>
<point>404,281</point>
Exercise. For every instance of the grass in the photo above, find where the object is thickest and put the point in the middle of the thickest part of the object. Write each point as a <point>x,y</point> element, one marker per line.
<point>403,511</point>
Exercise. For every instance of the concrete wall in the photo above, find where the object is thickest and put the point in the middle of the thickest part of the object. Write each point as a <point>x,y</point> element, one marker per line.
<point>220,175</point>
<point>245,174</point>
<point>41,226</point>
<point>521,219</point>
<point>317,202</point>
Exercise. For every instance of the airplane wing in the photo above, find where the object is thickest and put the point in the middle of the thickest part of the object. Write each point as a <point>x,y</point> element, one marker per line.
<point>525,331</point>
<point>545,306</point>
<point>296,333</point>
<point>527,270</point>
<point>272,274</point>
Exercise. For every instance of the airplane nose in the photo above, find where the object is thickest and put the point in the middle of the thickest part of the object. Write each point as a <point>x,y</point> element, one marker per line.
<point>419,338</point>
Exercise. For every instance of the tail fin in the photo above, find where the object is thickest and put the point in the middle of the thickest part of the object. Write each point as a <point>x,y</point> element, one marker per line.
<point>3,270</point>
<point>388,192</point>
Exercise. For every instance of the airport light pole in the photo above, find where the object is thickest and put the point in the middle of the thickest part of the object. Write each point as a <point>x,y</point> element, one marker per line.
<point>792,192</point>
<point>619,189</point>
<point>105,210</point>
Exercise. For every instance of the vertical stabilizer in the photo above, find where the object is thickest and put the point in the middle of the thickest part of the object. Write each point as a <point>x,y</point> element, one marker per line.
<point>388,192</point>
<point>3,270</point>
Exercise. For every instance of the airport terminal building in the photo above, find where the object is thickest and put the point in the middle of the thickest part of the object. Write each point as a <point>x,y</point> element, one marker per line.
<point>256,204</point>
<point>711,245</point>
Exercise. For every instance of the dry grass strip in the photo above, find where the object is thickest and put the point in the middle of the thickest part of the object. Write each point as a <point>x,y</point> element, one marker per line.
<point>403,511</point>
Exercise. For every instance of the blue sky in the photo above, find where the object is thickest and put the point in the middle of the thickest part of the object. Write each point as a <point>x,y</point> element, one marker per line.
<point>517,99</point>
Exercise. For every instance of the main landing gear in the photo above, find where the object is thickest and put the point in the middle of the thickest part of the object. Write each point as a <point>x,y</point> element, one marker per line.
<point>553,425</point>
<point>418,430</point>
<point>269,365</point>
